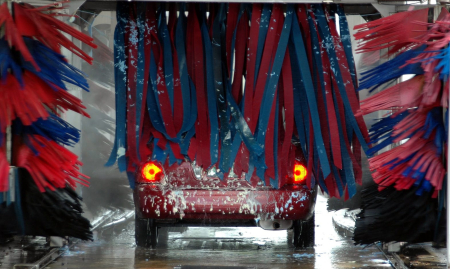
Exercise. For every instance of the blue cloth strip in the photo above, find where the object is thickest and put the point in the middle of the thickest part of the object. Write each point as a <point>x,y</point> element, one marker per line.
<point>301,113</point>
<point>164,36</point>
<point>211,93</point>
<point>346,39</point>
<point>120,66</point>
<point>334,66</point>
<point>218,44</point>
<point>263,29</point>
<point>275,181</point>
<point>299,55</point>
<point>140,72</point>
<point>347,169</point>
<point>189,108</point>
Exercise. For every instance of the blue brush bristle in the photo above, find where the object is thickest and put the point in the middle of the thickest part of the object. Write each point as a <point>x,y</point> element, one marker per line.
<point>7,64</point>
<point>443,67</point>
<point>391,70</point>
<point>53,128</point>
<point>54,67</point>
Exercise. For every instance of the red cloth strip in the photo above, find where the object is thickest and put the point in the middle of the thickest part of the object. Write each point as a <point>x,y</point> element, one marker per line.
<point>241,46</point>
<point>172,20</point>
<point>332,120</point>
<point>281,131</point>
<point>347,78</point>
<point>178,99</point>
<point>163,95</point>
<point>271,41</point>
<point>144,149</point>
<point>288,100</point>
<point>268,147</point>
<point>233,12</point>
<point>277,17</point>
<point>196,69</point>
<point>144,130</point>
<point>331,185</point>
<point>310,156</point>
<point>320,98</point>
<point>240,56</point>
<point>303,20</point>
<point>243,154</point>
<point>356,166</point>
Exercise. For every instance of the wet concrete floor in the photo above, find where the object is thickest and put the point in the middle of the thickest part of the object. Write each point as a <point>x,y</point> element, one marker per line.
<point>224,247</point>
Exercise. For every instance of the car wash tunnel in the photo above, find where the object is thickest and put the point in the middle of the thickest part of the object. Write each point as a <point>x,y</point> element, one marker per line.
<point>226,135</point>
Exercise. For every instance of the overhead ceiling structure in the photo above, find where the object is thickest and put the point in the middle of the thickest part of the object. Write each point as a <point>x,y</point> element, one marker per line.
<point>355,6</point>
<point>370,9</point>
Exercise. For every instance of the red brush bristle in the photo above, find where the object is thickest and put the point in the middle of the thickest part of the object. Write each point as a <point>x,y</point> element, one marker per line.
<point>53,166</point>
<point>43,26</point>
<point>31,102</point>
<point>399,97</point>
<point>394,32</point>
<point>13,36</point>
<point>4,171</point>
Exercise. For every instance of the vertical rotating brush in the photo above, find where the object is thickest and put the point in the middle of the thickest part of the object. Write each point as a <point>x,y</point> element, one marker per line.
<point>33,95</point>
<point>408,145</point>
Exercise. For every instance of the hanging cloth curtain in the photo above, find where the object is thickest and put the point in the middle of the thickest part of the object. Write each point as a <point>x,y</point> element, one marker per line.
<point>237,90</point>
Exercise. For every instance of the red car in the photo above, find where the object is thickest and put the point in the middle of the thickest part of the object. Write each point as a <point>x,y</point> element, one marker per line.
<point>186,195</point>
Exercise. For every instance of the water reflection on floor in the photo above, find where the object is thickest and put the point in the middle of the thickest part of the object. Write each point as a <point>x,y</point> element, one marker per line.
<point>245,247</point>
